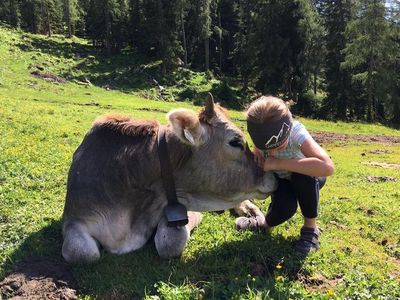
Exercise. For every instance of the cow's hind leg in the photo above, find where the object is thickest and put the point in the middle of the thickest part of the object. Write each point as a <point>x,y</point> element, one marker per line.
<point>79,247</point>
<point>170,241</point>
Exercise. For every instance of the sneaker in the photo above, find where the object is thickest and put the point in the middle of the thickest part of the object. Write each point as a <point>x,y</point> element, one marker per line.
<point>309,240</point>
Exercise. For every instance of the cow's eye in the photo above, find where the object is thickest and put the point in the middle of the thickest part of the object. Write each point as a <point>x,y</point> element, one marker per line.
<point>236,143</point>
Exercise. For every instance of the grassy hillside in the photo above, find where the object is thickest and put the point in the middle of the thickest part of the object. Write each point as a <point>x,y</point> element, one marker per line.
<point>42,122</point>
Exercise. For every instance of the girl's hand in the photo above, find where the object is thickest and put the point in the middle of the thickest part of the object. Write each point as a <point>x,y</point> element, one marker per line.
<point>258,157</point>
<point>271,164</point>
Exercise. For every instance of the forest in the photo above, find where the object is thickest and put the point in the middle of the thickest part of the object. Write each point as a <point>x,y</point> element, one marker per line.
<point>334,59</point>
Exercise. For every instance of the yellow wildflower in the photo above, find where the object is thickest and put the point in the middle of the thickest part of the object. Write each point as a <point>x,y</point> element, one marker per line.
<point>329,293</point>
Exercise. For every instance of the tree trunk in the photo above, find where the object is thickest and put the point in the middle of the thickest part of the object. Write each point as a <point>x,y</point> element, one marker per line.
<point>13,14</point>
<point>161,39</point>
<point>370,90</point>
<point>206,35</point>
<point>48,22</point>
<point>220,41</point>
<point>184,39</point>
<point>108,28</point>
<point>68,17</point>
<point>315,82</point>
<point>207,53</point>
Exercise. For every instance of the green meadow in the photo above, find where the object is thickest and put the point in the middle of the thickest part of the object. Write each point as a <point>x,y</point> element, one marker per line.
<point>42,122</point>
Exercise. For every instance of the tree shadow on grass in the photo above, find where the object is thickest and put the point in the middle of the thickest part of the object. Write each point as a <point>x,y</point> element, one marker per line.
<point>122,71</point>
<point>127,71</point>
<point>62,49</point>
<point>225,271</point>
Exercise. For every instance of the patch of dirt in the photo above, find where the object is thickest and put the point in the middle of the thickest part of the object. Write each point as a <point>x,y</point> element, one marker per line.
<point>339,225</point>
<point>39,278</point>
<point>381,164</point>
<point>151,109</point>
<point>329,137</point>
<point>380,152</point>
<point>48,76</point>
<point>380,178</point>
<point>319,282</point>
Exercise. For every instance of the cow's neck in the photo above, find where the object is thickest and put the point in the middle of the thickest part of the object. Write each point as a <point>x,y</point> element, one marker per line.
<point>179,153</point>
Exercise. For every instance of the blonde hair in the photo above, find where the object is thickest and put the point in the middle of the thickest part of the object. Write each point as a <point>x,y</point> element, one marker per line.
<point>266,109</point>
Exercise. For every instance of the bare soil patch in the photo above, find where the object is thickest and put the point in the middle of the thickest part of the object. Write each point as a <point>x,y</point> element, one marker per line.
<point>48,76</point>
<point>39,278</point>
<point>319,283</point>
<point>380,178</point>
<point>380,152</point>
<point>330,137</point>
<point>381,164</point>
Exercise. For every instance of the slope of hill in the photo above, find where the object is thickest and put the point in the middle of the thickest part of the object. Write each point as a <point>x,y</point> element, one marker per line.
<point>47,105</point>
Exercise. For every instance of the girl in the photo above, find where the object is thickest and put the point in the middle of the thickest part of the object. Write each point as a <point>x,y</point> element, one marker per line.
<point>301,166</point>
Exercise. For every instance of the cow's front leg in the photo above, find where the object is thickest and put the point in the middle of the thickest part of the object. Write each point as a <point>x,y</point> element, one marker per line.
<point>170,241</point>
<point>79,246</point>
<point>250,217</point>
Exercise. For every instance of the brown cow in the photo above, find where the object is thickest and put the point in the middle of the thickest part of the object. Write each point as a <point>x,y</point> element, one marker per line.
<point>115,197</point>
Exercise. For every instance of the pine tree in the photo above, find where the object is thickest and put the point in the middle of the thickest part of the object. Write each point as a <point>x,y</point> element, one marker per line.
<point>71,15</point>
<point>312,32</point>
<point>225,29</point>
<point>183,6</point>
<point>107,24</point>
<point>393,101</point>
<point>245,46</point>
<point>369,54</point>
<point>205,29</point>
<point>14,13</point>
<point>41,16</point>
<point>271,46</point>
<point>339,103</point>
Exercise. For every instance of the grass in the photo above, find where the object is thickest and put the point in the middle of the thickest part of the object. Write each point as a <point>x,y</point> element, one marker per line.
<point>42,123</point>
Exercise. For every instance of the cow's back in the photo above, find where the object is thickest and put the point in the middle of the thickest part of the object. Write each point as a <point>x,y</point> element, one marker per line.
<point>115,162</point>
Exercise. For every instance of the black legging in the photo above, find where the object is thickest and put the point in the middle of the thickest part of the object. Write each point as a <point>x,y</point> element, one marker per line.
<point>300,188</point>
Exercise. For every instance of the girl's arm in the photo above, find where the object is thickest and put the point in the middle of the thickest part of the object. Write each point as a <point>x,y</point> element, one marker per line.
<point>258,157</point>
<point>316,162</point>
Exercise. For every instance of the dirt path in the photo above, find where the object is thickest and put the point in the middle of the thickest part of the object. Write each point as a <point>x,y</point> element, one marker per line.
<point>329,137</point>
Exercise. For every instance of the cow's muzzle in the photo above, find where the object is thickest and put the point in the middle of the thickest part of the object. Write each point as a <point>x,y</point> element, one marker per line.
<point>269,183</point>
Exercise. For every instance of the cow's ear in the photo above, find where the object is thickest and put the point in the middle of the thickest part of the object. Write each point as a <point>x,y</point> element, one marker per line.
<point>209,111</point>
<point>186,125</point>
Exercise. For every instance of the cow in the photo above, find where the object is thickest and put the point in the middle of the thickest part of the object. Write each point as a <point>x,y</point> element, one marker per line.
<point>115,195</point>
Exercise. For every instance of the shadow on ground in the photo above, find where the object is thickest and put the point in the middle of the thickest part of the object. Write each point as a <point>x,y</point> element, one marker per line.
<point>128,72</point>
<point>222,272</point>
<point>125,72</point>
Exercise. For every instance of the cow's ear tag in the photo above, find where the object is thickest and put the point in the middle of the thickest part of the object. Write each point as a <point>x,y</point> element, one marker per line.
<point>188,136</point>
<point>176,215</point>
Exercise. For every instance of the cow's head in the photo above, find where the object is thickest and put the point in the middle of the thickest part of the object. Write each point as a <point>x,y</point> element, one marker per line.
<point>222,168</point>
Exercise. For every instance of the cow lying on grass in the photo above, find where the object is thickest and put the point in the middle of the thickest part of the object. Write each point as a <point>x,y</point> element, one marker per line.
<point>115,195</point>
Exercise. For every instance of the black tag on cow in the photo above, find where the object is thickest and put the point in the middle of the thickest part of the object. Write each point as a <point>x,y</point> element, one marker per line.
<point>176,215</point>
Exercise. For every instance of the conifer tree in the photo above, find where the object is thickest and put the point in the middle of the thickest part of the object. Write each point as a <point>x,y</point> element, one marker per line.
<point>393,105</point>
<point>369,55</point>
<point>205,29</point>
<point>245,45</point>
<point>339,103</point>
<point>10,12</point>
<point>71,15</point>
